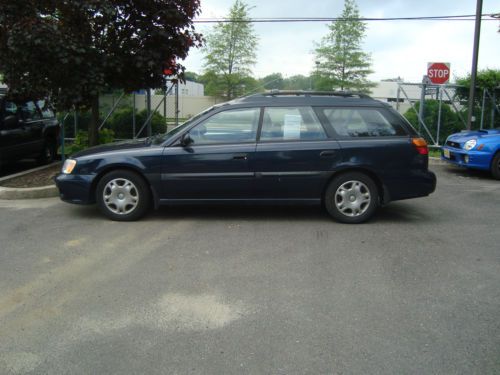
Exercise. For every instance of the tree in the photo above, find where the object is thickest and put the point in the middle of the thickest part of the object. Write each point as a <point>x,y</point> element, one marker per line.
<point>272,81</point>
<point>191,76</point>
<point>450,123</point>
<point>229,53</point>
<point>488,79</point>
<point>297,82</point>
<point>341,64</point>
<point>73,50</point>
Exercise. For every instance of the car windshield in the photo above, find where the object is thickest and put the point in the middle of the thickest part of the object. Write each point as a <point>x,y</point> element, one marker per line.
<point>160,138</point>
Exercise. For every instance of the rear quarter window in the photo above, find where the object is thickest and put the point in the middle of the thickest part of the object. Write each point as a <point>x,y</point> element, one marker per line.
<point>362,122</point>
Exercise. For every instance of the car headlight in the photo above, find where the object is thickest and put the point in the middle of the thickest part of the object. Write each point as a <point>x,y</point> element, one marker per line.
<point>470,144</point>
<point>68,166</point>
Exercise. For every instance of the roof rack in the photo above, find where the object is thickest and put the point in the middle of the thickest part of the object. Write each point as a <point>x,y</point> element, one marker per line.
<point>344,94</point>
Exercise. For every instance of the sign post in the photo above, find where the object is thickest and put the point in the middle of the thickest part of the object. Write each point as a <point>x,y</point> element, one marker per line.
<point>438,72</point>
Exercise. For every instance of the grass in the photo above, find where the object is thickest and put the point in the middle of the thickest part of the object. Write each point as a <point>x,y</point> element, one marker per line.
<point>434,152</point>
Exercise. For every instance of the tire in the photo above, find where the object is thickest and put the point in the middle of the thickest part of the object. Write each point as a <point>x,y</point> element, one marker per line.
<point>495,166</point>
<point>351,198</point>
<point>123,195</point>
<point>48,154</point>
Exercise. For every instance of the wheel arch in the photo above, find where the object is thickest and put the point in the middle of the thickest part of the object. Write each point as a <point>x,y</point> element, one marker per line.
<point>113,167</point>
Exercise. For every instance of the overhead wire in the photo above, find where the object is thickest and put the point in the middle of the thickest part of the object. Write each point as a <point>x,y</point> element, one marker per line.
<point>466,17</point>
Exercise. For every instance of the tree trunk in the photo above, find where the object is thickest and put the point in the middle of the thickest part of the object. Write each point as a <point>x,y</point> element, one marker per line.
<point>94,122</point>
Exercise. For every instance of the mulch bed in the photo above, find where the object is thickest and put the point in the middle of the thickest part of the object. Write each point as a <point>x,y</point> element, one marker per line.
<point>39,178</point>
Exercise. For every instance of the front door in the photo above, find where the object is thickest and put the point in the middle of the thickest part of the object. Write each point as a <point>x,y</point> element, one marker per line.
<point>215,165</point>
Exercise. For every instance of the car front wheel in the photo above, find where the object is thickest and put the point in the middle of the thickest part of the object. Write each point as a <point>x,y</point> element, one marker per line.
<point>123,195</point>
<point>495,166</point>
<point>351,198</point>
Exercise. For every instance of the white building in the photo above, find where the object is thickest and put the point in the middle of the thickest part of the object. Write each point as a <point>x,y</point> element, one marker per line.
<point>188,88</point>
<point>387,91</point>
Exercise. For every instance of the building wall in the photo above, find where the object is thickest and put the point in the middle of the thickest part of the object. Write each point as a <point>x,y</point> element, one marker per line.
<point>188,88</point>
<point>387,91</point>
<point>188,105</point>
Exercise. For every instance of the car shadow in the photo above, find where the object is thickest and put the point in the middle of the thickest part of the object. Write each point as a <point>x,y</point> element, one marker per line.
<point>402,212</point>
<point>394,213</point>
<point>468,173</point>
<point>240,212</point>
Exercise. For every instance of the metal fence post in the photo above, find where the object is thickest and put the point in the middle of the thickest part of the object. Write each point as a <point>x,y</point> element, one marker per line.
<point>149,131</point>
<point>75,123</point>
<point>440,93</point>
<point>482,108</point>
<point>398,95</point>
<point>422,104</point>
<point>493,107</point>
<point>176,102</point>
<point>133,115</point>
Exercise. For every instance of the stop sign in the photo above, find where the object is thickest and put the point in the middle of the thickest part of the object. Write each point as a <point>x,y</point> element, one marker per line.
<point>438,72</point>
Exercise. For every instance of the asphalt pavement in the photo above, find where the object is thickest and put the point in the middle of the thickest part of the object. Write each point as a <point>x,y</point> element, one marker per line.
<point>255,290</point>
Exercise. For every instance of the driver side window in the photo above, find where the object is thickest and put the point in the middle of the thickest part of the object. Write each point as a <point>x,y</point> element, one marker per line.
<point>233,126</point>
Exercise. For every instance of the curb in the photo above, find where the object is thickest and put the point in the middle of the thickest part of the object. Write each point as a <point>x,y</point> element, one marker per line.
<point>9,193</point>
<point>29,193</point>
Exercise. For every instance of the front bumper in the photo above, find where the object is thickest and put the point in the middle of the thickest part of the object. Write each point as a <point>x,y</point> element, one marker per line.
<point>75,188</point>
<point>468,159</point>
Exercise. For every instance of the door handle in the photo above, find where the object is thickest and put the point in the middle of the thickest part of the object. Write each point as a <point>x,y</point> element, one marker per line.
<point>240,156</point>
<point>326,154</point>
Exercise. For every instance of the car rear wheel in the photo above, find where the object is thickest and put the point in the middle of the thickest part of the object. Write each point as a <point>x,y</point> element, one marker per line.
<point>351,198</point>
<point>48,154</point>
<point>495,166</point>
<point>123,195</point>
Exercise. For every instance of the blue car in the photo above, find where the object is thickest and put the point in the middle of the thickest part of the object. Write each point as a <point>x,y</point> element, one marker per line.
<point>475,150</point>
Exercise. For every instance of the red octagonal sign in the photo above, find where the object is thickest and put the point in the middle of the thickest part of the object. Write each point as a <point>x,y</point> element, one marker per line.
<point>438,72</point>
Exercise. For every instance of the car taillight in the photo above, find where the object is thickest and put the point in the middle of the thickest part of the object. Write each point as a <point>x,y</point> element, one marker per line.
<point>421,146</point>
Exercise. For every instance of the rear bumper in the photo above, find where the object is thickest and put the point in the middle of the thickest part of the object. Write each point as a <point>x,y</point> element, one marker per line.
<point>467,159</point>
<point>420,183</point>
<point>75,189</point>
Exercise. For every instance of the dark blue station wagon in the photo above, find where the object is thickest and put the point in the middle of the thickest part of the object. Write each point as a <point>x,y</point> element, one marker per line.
<point>346,151</point>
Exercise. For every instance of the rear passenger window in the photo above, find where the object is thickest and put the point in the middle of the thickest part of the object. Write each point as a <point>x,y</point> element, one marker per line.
<point>291,124</point>
<point>361,122</point>
<point>45,108</point>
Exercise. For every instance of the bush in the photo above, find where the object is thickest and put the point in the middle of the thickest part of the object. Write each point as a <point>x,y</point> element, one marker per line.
<point>82,140</point>
<point>121,123</point>
<point>450,122</point>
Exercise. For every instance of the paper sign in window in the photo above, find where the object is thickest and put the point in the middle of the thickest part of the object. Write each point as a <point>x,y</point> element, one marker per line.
<point>291,129</point>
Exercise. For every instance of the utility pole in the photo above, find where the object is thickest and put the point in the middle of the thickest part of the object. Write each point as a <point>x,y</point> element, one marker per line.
<point>475,52</point>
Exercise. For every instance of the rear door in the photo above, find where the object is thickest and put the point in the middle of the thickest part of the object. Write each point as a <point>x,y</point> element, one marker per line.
<point>33,127</point>
<point>215,166</point>
<point>375,139</point>
<point>295,156</point>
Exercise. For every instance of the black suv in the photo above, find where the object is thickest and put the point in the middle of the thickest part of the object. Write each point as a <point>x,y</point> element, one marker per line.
<point>27,129</point>
<point>346,151</point>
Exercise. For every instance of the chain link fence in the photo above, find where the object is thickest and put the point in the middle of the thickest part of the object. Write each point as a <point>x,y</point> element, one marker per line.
<point>439,110</point>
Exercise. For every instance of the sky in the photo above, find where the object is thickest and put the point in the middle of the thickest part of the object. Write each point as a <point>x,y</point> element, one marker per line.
<point>398,48</point>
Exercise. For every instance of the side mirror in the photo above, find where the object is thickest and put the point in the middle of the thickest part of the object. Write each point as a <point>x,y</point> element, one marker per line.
<point>186,140</point>
<point>11,122</point>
